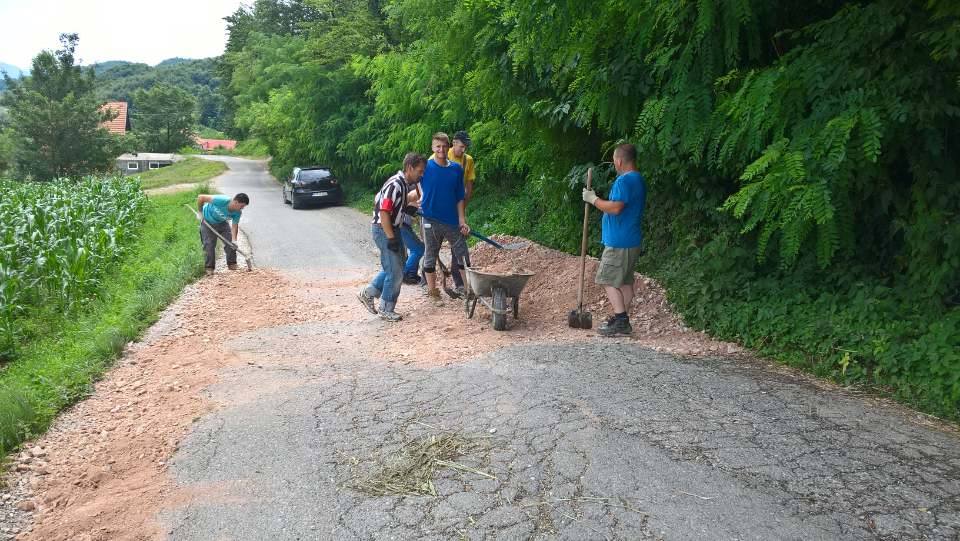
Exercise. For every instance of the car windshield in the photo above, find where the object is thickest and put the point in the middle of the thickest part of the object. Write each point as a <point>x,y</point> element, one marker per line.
<point>315,174</point>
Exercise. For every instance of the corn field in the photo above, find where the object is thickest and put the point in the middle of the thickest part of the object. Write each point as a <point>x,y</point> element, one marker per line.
<point>57,241</point>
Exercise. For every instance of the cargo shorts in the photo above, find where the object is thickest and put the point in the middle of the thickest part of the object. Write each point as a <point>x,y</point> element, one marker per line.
<point>616,266</point>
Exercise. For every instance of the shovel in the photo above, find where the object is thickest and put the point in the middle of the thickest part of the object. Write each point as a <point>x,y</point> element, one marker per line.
<point>247,257</point>
<point>578,319</point>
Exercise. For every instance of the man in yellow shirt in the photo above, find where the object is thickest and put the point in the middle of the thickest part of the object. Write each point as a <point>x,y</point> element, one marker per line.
<point>458,153</point>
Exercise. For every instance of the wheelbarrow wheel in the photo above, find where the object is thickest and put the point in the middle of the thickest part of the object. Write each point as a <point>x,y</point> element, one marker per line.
<point>499,309</point>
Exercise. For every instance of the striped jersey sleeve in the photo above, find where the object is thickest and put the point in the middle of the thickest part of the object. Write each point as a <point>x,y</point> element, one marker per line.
<point>391,198</point>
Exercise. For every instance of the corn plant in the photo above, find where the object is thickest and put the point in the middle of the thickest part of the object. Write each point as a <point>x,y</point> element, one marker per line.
<point>57,242</point>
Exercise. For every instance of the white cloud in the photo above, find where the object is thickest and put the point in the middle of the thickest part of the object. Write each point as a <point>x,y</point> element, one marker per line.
<point>134,30</point>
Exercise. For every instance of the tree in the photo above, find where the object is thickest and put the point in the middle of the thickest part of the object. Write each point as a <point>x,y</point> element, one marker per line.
<point>164,118</point>
<point>55,119</point>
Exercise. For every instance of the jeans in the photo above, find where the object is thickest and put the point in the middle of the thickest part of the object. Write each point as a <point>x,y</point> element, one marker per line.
<point>415,246</point>
<point>209,241</point>
<point>386,284</point>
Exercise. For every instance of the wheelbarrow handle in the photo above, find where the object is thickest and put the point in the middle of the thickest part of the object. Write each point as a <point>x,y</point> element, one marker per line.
<point>486,239</point>
<point>413,211</point>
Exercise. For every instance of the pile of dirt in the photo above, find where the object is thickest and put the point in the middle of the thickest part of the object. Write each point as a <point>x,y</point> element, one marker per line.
<point>552,292</point>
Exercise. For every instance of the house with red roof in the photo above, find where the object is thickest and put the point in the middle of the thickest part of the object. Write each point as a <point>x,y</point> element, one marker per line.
<point>121,124</point>
<point>208,145</point>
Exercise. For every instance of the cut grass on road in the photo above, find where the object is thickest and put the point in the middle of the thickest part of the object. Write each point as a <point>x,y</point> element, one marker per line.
<point>190,170</point>
<point>59,368</point>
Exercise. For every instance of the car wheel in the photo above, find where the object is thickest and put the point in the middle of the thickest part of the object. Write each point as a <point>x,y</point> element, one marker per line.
<point>294,203</point>
<point>283,194</point>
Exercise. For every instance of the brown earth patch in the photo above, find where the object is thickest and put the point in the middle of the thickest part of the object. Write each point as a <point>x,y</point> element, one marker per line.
<point>103,470</point>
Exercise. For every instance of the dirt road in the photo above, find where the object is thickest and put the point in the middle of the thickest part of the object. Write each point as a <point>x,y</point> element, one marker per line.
<point>270,405</point>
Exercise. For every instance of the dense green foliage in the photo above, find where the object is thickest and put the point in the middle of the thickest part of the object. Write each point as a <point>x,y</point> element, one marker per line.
<point>54,119</point>
<point>800,155</point>
<point>165,118</point>
<point>58,366</point>
<point>57,241</point>
<point>118,80</point>
<point>190,170</point>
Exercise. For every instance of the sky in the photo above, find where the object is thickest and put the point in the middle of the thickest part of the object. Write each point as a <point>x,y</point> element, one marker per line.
<point>147,31</point>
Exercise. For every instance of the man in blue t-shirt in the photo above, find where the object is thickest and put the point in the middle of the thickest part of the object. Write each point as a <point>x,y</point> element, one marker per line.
<point>216,210</point>
<point>442,208</point>
<point>622,237</point>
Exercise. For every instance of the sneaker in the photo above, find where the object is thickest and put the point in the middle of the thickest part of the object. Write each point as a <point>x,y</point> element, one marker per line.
<point>460,291</point>
<point>411,279</point>
<point>232,266</point>
<point>390,316</point>
<point>615,326</point>
<point>366,301</point>
<point>208,272</point>
<point>435,297</point>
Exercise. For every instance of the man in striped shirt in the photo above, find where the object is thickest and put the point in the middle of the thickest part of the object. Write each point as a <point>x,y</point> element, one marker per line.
<point>387,220</point>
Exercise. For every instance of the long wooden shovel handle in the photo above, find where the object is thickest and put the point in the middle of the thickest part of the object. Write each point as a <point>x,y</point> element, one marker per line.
<point>210,228</point>
<point>583,243</point>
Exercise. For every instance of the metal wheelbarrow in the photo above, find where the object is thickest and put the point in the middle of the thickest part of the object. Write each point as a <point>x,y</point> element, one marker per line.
<point>503,291</point>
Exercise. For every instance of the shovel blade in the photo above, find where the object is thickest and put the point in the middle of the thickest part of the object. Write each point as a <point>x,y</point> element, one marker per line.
<point>578,319</point>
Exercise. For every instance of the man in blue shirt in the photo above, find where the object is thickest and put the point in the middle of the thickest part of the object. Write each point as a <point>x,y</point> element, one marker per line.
<point>622,237</point>
<point>216,210</point>
<point>442,208</point>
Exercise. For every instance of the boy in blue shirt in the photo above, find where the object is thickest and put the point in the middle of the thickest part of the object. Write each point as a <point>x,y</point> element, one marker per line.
<point>622,237</point>
<point>442,210</point>
<point>216,210</point>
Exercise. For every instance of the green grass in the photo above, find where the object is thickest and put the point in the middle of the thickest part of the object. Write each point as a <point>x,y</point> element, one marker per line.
<point>58,369</point>
<point>251,148</point>
<point>187,171</point>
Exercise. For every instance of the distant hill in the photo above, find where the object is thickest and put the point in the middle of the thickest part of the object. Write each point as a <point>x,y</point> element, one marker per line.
<point>118,80</point>
<point>13,71</point>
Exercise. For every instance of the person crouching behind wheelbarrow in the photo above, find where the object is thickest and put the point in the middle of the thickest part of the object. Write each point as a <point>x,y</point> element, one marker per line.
<point>622,237</point>
<point>387,220</point>
<point>215,211</point>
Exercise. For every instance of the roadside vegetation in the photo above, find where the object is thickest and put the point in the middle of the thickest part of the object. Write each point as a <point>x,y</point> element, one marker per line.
<point>87,267</point>
<point>800,158</point>
<point>189,170</point>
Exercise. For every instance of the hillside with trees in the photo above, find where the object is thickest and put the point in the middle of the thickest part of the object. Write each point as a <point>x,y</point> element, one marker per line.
<point>119,80</point>
<point>800,156</point>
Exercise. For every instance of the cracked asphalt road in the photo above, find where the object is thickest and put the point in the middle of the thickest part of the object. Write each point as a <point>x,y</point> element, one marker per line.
<point>590,440</point>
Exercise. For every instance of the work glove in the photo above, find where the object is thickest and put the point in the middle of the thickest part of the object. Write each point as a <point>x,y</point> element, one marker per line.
<point>589,196</point>
<point>411,210</point>
<point>394,244</point>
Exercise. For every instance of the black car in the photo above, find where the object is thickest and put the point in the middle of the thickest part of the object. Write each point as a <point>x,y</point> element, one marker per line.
<point>308,185</point>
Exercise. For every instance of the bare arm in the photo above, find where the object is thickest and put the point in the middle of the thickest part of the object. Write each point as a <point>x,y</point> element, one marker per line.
<point>386,224</point>
<point>469,189</point>
<point>235,231</point>
<point>461,213</point>
<point>202,199</point>
<point>609,207</point>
